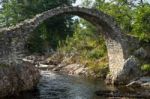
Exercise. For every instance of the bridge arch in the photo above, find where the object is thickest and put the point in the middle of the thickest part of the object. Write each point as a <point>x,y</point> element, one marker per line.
<point>13,39</point>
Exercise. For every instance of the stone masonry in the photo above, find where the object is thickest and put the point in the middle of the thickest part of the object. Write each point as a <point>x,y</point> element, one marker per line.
<point>13,39</point>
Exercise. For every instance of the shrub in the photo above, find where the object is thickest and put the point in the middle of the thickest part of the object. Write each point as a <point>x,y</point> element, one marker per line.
<point>145,67</point>
<point>87,47</point>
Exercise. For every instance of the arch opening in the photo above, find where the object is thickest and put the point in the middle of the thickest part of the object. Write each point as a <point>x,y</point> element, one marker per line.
<point>17,36</point>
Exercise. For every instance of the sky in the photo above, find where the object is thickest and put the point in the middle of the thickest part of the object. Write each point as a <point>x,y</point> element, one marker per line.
<point>79,2</point>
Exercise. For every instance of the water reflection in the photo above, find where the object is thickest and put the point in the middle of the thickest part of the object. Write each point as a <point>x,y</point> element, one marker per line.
<point>59,86</point>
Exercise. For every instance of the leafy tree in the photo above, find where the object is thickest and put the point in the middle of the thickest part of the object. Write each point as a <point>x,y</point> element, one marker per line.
<point>10,13</point>
<point>131,15</point>
<point>86,46</point>
<point>53,29</point>
<point>120,10</point>
<point>141,24</point>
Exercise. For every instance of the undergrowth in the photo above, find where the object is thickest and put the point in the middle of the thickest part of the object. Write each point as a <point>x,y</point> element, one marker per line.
<point>87,47</point>
<point>145,67</point>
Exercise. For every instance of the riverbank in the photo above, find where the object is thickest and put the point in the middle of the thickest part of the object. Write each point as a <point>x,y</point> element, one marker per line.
<point>65,65</point>
<point>69,64</point>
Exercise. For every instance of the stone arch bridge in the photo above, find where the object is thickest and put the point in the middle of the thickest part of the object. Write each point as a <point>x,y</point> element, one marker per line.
<point>13,39</point>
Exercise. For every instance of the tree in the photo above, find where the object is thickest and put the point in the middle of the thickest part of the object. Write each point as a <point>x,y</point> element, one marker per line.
<point>55,29</point>
<point>120,10</point>
<point>141,23</point>
<point>131,15</point>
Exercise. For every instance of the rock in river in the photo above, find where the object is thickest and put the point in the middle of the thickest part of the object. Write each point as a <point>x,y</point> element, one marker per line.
<point>141,82</point>
<point>17,78</point>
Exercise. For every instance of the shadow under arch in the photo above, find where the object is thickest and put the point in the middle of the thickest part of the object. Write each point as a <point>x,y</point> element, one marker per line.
<point>16,37</point>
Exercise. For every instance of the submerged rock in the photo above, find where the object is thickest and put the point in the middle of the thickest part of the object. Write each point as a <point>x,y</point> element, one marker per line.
<point>123,95</point>
<point>143,82</point>
<point>17,78</point>
<point>74,69</point>
<point>141,52</point>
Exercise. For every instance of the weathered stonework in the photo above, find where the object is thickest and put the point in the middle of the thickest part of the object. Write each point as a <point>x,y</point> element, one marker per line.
<point>13,39</point>
<point>17,78</point>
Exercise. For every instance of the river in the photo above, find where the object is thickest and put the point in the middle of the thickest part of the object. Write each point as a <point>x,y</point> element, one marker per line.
<point>60,86</point>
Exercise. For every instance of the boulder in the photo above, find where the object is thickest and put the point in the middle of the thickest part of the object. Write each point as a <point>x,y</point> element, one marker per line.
<point>17,78</point>
<point>131,70</point>
<point>146,85</point>
<point>134,84</point>
<point>141,52</point>
<point>118,94</point>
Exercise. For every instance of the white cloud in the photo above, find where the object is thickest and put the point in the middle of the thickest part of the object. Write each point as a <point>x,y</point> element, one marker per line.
<point>79,2</point>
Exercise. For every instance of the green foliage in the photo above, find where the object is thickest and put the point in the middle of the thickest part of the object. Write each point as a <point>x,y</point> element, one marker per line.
<point>146,67</point>
<point>36,40</point>
<point>142,22</point>
<point>52,30</point>
<point>99,66</point>
<point>119,10</point>
<point>133,16</point>
<point>10,13</point>
<point>88,46</point>
<point>96,53</point>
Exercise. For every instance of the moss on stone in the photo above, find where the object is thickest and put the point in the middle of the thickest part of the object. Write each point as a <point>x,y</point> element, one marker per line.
<point>3,65</point>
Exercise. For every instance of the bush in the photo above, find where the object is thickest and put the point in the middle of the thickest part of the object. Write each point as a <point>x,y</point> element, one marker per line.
<point>99,66</point>
<point>96,54</point>
<point>145,67</point>
<point>88,48</point>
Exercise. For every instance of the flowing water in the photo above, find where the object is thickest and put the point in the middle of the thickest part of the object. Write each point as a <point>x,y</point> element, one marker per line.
<point>60,86</point>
